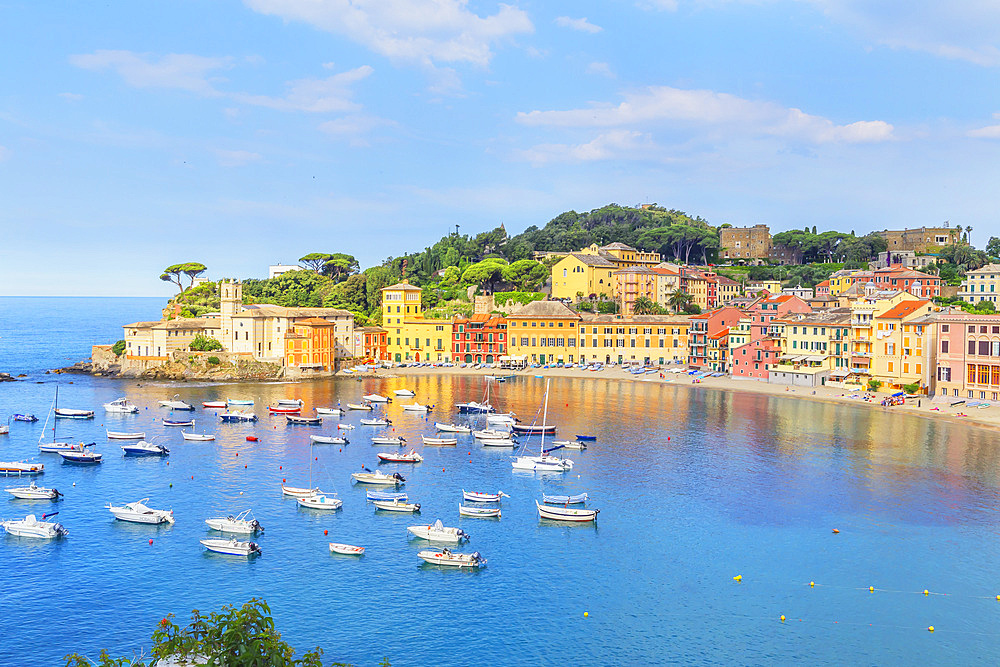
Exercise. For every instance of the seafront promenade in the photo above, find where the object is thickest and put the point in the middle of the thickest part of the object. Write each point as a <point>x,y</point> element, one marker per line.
<point>923,406</point>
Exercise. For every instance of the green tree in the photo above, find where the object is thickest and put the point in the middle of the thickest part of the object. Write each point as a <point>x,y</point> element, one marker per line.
<point>644,306</point>
<point>679,300</point>
<point>993,247</point>
<point>525,274</point>
<point>486,273</point>
<point>692,309</point>
<point>118,348</point>
<point>340,265</point>
<point>607,307</point>
<point>203,343</point>
<point>172,274</point>
<point>315,261</point>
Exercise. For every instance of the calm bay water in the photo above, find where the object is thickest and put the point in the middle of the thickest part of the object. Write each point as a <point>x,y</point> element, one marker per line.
<point>695,486</point>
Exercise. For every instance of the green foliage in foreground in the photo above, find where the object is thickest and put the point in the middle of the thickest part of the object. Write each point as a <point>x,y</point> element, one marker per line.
<point>523,298</point>
<point>244,637</point>
<point>203,343</point>
<point>118,348</point>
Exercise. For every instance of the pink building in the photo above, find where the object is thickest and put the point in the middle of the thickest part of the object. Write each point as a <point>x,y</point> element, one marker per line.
<point>750,361</point>
<point>922,285</point>
<point>773,308</point>
<point>705,325</point>
<point>968,356</point>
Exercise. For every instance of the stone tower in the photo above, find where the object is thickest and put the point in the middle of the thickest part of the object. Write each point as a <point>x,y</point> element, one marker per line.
<point>230,303</point>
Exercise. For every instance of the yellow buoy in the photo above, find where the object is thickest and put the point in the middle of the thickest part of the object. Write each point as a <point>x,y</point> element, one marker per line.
<point>871,589</point>
<point>782,618</point>
<point>738,577</point>
<point>586,614</point>
<point>812,584</point>
<point>930,628</point>
<point>926,592</point>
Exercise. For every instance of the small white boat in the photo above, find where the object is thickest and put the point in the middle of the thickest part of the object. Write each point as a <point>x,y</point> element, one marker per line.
<point>389,440</point>
<point>67,413</point>
<point>56,447</point>
<point>176,404</point>
<point>415,407</point>
<point>329,440</point>
<point>291,402</point>
<point>231,547</point>
<point>446,557</point>
<point>409,457</point>
<point>334,412</point>
<point>378,477</point>
<point>491,434</point>
<point>403,392</point>
<point>125,435</point>
<point>438,532</point>
<point>556,513</point>
<point>121,406</point>
<point>376,398</point>
<point>346,427</point>
<point>21,468</point>
<point>4,429</point>
<point>385,495</point>
<point>565,500</point>
<point>178,422</point>
<point>452,428</point>
<point>473,406</point>
<point>505,442</point>
<point>33,492</point>
<point>507,419</point>
<point>297,420</point>
<point>396,505</point>
<point>320,501</point>
<point>84,456</point>
<point>239,401</point>
<point>214,405</point>
<point>439,442</point>
<point>356,406</point>
<point>542,463</point>
<point>29,526</point>
<point>243,523</point>
<point>479,497</point>
<point>378,421</point>
<point>571,444</point>
<point>143,448</point>
<point>197,437</point>
<point>346,549</point>
<point>138,512</point>
<point>299,492</point>
<point>238,417</point>
<point>479,512</point>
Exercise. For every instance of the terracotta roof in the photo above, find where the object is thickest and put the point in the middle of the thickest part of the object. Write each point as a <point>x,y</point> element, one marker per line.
<point>315,321</point>
<point>665,272</point>
<point>551,310</point>
<point>901,310</point>
<point>721,334</point>
<point>825,283</point>
<point>141,325</point>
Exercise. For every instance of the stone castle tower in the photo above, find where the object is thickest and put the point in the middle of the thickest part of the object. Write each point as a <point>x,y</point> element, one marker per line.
<point>230,303</point>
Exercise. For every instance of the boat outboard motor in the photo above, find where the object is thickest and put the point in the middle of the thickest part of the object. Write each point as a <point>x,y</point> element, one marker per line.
<point>346,441</point>
<point>256,526</point>
<point>398,477</point>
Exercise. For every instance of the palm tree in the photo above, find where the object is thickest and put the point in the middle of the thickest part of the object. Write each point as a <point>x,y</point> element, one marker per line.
<point>679,299</point>
<point>643,306</point>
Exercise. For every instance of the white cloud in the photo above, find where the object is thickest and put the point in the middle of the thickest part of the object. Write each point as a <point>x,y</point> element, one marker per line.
<point>422,31</point>
<point>237,158</point>
<point>721,112</point>
<point>988,132</point>
<point>314,95</point>
<point>606,146</point>
<point>174,70</point>
<point>583,25</point>
<point>601,69</point>
<point>353,128</point>
<point>966,30</point>
<point>72,97</point>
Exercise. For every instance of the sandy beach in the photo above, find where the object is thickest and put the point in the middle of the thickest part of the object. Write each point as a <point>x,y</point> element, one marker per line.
<point>928,407</point>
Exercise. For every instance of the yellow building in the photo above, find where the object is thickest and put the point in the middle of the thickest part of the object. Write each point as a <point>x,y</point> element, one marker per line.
<point>770,286</point>
<point>544,332</point>
<point>814,347</point>
<point>901,346</point>
<point>638,339</point>
<point>411,336</point>
<point>841,281</point>
<point>632,283</point>
<point>727,290</point>
<point>151,343</point>
<point>982,285</point>
<point>863,339</point>
<point>588,272</point>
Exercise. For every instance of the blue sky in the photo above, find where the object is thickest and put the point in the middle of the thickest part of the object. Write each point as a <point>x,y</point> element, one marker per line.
<point>242,134</point>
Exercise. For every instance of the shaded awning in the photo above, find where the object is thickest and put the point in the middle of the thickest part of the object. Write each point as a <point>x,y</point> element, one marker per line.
<point>840,373</point>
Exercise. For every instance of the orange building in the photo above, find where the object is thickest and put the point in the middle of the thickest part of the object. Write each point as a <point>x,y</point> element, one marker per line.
<point>371,343</point>
<point>311,344</point>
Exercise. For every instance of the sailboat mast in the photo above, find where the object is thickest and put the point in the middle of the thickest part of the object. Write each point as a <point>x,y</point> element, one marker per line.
<point>545,418</point>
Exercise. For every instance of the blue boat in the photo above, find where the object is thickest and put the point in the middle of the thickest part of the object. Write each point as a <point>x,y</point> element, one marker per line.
<point>178,422</point>
<point>24,418</point>
<point>586,437</point>
<point>386,495</point>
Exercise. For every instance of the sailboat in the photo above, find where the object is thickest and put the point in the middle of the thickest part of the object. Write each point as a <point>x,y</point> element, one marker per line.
<point>543,462</point>
<point>54,445</point>
<point>474,407</point>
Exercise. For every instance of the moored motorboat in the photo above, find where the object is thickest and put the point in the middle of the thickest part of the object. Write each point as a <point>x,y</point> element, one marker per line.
<point>329,440</point>
<point>333,412</point>
<point>392,457</point>
<point>33,492</point>
<point>298,491</point>
<point>378,477</point>
<point>291,402</point>
<point>480,497</point>
<point>492,434</point>
<point>178,422</point>
<point>557,513</point>
<point>121,406</point>
<point>416,407</point>
<point>361,406</point>
<point>296,420</point>
<point>474,407</point>
<point>214,405</point>
<point>346,549</point>
<point>197,437</point>
<point>21,417</point>
<point>396,505</point>
<point>446,557</point>
<point>125,435</point>
<point>578,445</point>
<point>479,512</point>
<point>243,523</point>
<point>284,409</point>
<point>439,442</point>
<point>403,392</point>
<point>398,441</point>
<point>320,501</point>
<point>238,417</point>
<point>143,448</point>
<point>371,495</point>
<point>438,532</point>
<point>4,429</point>
<point>378,421</point>
<point>376,398</point>
<point>21,468</point>
<point>56,447</point>
<point>29,526</point>
<point>138,512</point>
<point>81,456</point>
<point>239,401</point>
<point>506,419</point>
<point>68,413</point>
<point>452,428</point>
<point>564,500</point>
<point>176,404</point>
<point>345,427</point>
<point>505,442</point>
<point>231,547</point>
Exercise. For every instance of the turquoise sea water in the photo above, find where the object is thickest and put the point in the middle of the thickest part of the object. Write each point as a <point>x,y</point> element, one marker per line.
<point>695,486</point>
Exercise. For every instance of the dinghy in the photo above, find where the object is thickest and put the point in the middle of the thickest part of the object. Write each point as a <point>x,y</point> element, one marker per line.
<point>33,492</point>
<point>239,401</point>
<point>231,547</point>
<point>510,442</point>
<point>320,501</point>
<point>385,495</point>
<point>346,549</point>
<point>586,437</point>
<point>479,512</point>
<point>176,404</point>
<point>363,406</point>
<point>452,428</point>
<point>29,526</point>
<point>143,448</point>
<point>376,398</point>
<point>507,419</point>
<point>21,468</point>
<point>438,532</point>
<point>345,427</point>
<point>67,413</point>
<point>396,505</point>
<point>238,417</point>
<point>84,456</point>
<point>492,434</point>
<point>378,477</point>
<point>378,421</point>
<point>283,409</point>
<point>178,422</point>
<point>479,497</point>
<point>389,440</point>
<point>123,435</point>
<point>24,418</point>
<point>216,405</point>
<point>121,406</point>
<point>291,402</point>
<point>565,513</point>
<point>197,437</point>
<point>138,512</point>
<point>565,500</point>
<point>534,429</point>
<point>403,392</point>
<point>439,442</point>
<point>243,523</point>
<point>409,457</point>
<point>329,440</point>
<point>298,492</point>
<point>295,420</point>
<point>416,407</point>
<point>446,557</point>
<point>332,412</point>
